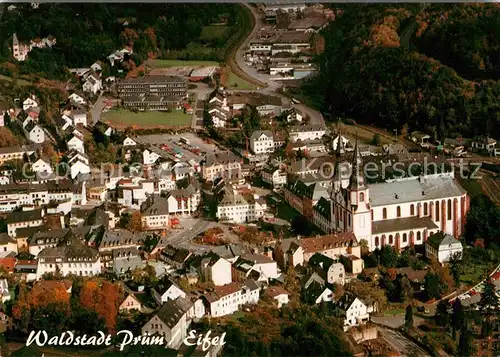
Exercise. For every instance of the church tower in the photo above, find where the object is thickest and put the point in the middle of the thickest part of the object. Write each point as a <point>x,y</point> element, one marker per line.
<point>359,195</point>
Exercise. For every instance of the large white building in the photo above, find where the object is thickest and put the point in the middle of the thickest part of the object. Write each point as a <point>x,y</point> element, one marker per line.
<point>354,311</point>
<point>263,142</point>
<point>400,213</point>
<point>70,256</point>
<point>306,132</point>
<point>239,208</point>
<point>227,299</point>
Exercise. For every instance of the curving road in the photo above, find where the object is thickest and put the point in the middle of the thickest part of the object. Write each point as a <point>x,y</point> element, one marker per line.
<point>272,86</point>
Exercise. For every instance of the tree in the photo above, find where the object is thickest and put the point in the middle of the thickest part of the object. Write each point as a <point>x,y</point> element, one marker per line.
<point>442,317</point>
<point>363,243</point>
<point>482,220</point>
<point>409,317</point>
<point>376,139</point>
<point>388,256</point>
<point>465,346</point>
<point>432,286</point>
<point>457,317</point>
<point>489,303</point>
<point>135,223</point>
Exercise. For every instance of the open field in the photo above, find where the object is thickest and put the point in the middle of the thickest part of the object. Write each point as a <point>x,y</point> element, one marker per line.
<point>160,63</point>
<point>210,33</point>
<point>21,82</point>
<point>122,118</point>
<point>235,82</point>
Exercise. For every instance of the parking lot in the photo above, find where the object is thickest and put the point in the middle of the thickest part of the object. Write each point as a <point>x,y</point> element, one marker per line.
<point>193,148</point>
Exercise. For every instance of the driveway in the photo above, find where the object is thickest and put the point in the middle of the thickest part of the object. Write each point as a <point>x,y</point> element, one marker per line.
<point>400,343</point>
<point>96,110</point>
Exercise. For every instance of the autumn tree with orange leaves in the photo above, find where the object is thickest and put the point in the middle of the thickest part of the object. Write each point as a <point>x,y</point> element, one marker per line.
<point>104,299</point>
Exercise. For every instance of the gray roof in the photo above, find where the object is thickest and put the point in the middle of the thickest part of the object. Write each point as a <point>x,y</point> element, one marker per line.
<point>122,265</point>
<point>441,239</point>
<point>221,158</point>
<point>155,205</point>
<point>402,224</point>
<point>414,190</point>
<point>24,216</point>
<point>258,133</point>
<point>172,311</point>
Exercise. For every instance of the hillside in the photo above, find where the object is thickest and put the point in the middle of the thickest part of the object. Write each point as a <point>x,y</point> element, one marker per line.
<point>89,32</point>
<point>414,67</point>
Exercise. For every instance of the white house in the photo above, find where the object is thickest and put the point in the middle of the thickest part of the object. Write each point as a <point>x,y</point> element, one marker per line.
<point>171,322</point>
<point>149,157</point>
<point>257,266</point>
<point>306,132</point>
<point>443,247</point>
<point>92,84</point>
<point>279,294</point>
<point>227,299</point>
<point>336,141</point>
<point>76,98</point>
<point>23,219</point>
<point>172,292</point>
<point>35,133</point>
<point>76,143</point>
<point>294,115</point>
<point>130,303</point>
<point>41,165</point>
<point>241,208</point>
<point>78,167</point>
<point>354,311</point>
<point>262,142</point>
<point>96,67</point>
<point>30,102</point>
<point>274,176</point>
<point>217,270</point>
<point>79,117</point>
<point>129,142</point>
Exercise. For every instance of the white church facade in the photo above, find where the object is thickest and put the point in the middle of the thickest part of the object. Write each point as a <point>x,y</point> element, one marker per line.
<point>400,213</point>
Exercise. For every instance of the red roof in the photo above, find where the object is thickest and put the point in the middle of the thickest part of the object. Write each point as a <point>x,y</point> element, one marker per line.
<point>227,289</point>
<point>27,262</point>
<point>275,291</point>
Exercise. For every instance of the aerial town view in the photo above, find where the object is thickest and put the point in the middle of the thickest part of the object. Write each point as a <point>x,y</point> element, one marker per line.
<point>238,179</point>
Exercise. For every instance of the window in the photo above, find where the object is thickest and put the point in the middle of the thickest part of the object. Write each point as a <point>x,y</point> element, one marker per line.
<point>361,197</point>
<point>384,213</point>
<point>437,211</point>
<point>405,238</point>
<point>426,208</point>
<point>449,209</point>
<point>418,235</point>
<point>412,210</point>
<point>398,209</point>
<point>390,240</point>
<point>377,241</point>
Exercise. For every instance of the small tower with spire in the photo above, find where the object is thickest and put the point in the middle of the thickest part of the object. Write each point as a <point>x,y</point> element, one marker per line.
<point>359,195</point>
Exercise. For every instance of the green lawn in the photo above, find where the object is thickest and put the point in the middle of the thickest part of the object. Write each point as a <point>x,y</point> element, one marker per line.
<point>471,186</point>
<point>123,117</point>
<point>394,312</point>
<point>474,273</point>
<point>235,82</point>
<point>210,33</point>
<point>160,63</point>
<point>21,82</point>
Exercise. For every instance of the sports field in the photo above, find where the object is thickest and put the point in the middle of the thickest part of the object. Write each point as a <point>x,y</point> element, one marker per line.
<point>160,63</point>
<point>235,82</point>
<point>122,118</point>
<point>212,33</point>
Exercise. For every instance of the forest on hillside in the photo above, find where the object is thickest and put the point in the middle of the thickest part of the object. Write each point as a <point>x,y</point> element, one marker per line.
<point>89,32</point>
<point>430,67</point>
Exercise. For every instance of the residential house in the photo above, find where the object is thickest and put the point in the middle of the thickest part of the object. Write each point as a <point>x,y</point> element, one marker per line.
<point>7,243</point>
<point>149,157</point>
<point>353,310</point>
<point>177,257</point>
<point>79,117</point>
<point>4,291</point>
<point>42,165</point>
<point>274,176</point>
<point>333,245</point>
<point>77,99</point>
<point>28,217</point>
<point>35,133</point>
<point>294,116</point>
<point>30,102</point>
<point>258,267</point>
<point>227,299</point>
<point>279,294</point>
<point>155,213</point>
<point>443,247</point>
<point>130,303</point>
<point>129,142</point>
<point>171,322</point>
<point>315,290</point>
<point>306,132</point>
<point>70,256</point>
<point>171,292</point>
<point>331,271</point>
<point>76,143</point>
<point>45,238</point>
<point>15,152</point>
<point>216,269</point>
<point>304,197</point>
<point>289,252</point>
<point>183,201</point>
<point>239,208</point>
<point>221,165</point>
<point>92,84</point>
<point>263,142</point>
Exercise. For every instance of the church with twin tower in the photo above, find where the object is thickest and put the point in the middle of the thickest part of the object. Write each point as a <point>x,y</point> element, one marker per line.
<point>401,212</point>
